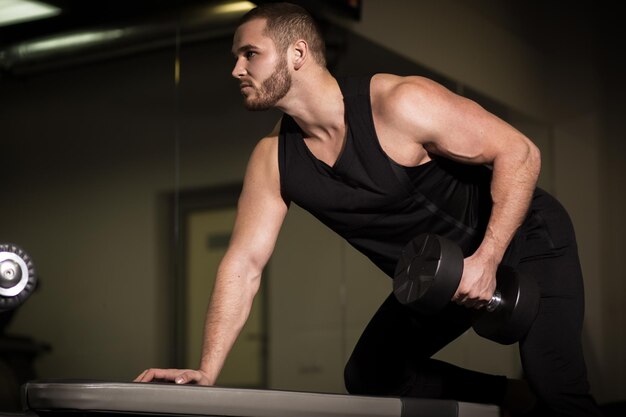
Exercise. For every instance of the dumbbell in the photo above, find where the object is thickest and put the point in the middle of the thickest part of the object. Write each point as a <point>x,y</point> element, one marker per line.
<point>17,276</point>
<point>428,274</point>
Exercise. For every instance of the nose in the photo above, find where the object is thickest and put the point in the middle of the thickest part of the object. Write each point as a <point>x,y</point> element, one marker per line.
<point>238,70</point>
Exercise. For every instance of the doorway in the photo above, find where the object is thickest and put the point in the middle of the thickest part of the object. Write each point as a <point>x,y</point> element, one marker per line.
<point>206,218</point>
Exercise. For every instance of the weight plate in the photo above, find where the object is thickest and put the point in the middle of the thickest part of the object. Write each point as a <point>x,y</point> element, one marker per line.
<point>512,319</point>
<point>428,273</point>
<point>17,276</point>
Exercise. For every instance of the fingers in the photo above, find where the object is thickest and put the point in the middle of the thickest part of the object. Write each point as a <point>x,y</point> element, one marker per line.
<point>476,303</point>
<point>188,377</point>
<point>143,377</point>
<point>477,285</point>
<point>470,300</point>
<point>179,376</point>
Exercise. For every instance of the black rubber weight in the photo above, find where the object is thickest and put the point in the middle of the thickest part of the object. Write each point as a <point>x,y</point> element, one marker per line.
<point>428,273</point>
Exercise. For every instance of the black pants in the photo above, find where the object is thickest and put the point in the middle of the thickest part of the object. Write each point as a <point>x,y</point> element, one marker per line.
<point>393,356</point>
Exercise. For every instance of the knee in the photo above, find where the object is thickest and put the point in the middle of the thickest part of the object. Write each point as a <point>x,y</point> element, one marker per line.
<point>353,380</point>
<point>373,379</point>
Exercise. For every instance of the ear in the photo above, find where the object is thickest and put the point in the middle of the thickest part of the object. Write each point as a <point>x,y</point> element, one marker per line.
<point>300,53</point>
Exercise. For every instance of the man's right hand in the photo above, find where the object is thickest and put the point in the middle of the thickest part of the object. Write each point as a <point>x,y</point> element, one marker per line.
<point>178,376</point>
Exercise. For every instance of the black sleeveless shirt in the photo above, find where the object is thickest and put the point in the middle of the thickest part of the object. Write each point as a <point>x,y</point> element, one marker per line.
<point>377,205</point>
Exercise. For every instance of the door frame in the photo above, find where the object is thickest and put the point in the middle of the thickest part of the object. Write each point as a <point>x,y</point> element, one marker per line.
<point>181,205</point>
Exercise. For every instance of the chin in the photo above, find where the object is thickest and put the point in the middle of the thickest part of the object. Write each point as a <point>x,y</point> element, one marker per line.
<point>256,105</point>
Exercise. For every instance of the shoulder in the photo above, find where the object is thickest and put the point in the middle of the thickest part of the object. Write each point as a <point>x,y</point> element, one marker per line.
<point>265,152</point>
<point>392,93</point>
<point>263,162</point>
<point>268,145</point>
<point>413,106</point>
<point>262,173</point>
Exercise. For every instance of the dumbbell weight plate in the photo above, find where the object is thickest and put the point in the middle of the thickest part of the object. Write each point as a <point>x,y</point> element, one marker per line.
<point>428,273</point>
<point>17,276</point>
<point>510,321</point>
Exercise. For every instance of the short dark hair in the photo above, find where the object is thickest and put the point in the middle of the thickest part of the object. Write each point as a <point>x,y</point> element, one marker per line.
<point>286,23</point>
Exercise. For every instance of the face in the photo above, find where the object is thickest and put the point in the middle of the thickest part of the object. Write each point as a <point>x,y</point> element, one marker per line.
<point>262,71</point>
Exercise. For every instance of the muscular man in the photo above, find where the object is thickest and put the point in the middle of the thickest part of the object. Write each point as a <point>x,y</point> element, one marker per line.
<point>380,160</point>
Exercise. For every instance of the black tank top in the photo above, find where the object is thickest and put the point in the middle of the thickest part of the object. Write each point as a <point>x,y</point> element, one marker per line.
<point>377,205</point>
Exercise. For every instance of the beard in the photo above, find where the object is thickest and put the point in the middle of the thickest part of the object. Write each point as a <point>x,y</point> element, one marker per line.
<point>272,89</point>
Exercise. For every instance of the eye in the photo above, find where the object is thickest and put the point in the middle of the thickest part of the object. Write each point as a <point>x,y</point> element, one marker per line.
<point>249,54</point>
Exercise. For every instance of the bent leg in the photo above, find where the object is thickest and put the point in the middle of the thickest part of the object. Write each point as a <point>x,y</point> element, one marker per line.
<point>551,353</point>
<point>393,357</point>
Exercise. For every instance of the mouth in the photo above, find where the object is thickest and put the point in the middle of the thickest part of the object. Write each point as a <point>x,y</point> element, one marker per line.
<point>245,88</point>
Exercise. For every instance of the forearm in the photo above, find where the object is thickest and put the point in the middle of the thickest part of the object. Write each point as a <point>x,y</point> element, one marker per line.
<point>513,183</point>
<point>235,287</point>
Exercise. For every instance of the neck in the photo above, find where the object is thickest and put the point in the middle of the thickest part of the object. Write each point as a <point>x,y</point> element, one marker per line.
<point>315,102</point>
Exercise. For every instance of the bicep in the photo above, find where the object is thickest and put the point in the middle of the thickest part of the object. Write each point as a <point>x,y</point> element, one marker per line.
<point>261,208</point>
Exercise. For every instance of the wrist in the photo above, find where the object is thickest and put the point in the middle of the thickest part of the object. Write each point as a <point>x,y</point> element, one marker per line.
<point>490,250</point>
<point>208,371</point>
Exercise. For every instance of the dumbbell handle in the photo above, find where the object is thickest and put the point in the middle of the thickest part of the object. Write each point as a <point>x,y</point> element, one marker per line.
<point>494,303</point>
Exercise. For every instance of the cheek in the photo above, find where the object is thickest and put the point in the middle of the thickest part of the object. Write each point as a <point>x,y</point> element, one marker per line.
<point>267,66</point>
<point>262,70</point>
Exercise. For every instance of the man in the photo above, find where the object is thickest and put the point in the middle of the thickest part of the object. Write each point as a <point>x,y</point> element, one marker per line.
<point>380,160</point>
